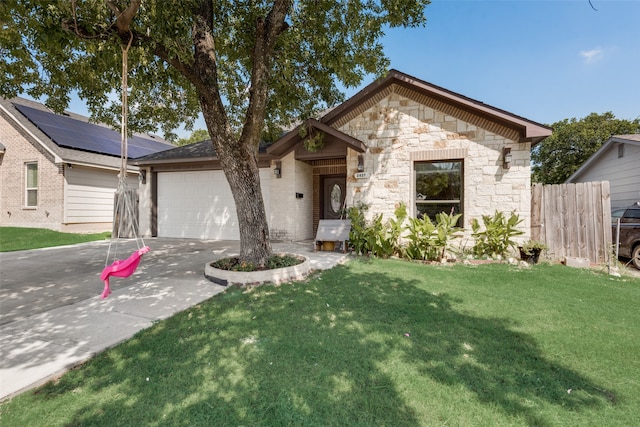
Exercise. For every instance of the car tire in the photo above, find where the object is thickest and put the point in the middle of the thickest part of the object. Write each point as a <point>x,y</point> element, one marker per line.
<point>635,257</point>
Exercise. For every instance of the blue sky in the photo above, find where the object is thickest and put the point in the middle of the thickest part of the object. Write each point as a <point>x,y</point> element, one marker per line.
<point>545,60</point>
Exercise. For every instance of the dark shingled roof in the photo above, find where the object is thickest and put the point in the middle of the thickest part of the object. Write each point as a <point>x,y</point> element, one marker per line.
<point>198,151</point>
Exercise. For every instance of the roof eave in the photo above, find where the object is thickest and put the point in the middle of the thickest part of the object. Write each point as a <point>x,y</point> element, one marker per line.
<point>168,161</point>
<point>529,130</point>
<point>287,143</point>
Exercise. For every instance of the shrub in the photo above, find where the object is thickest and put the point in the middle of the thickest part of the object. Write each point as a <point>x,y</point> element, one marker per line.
<point>446,230</point>
<point>496,238</point>
<point>376,237</point>
<point>358,233</point>
<point>429,241</point>
<point>420,237</point>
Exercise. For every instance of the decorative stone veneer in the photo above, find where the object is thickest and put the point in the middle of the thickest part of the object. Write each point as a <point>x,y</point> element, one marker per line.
<point>20,149</point>
<point>399,131</point>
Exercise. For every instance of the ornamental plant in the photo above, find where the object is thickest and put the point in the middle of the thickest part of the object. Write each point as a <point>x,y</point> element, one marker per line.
<point>421,233</point>
<point>496,239</point>
<point>446,231</point>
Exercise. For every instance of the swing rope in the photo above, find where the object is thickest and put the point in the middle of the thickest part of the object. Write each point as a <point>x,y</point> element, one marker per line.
<point>124,197</point>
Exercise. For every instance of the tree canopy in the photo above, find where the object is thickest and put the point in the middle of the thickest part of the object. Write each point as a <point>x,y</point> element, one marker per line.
<point>197,135</point>
<point>51,48</point>
<point>573,141</point>
<point>248,67</point>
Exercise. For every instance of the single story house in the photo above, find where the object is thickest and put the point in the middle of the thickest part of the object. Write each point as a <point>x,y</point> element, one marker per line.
<point>59,171</point>
<point>398,140</point>
<point>617,161</point>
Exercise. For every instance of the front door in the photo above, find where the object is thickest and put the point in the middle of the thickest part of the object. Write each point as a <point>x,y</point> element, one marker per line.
<point>333,194</point>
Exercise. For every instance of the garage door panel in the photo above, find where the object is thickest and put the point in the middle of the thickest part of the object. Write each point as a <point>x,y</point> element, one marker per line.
<point>89,194</point>
<point>199,205</point>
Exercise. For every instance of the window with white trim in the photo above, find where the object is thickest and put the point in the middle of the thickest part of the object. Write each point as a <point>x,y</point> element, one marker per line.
<point>438,188</point>
<point>31,185</point>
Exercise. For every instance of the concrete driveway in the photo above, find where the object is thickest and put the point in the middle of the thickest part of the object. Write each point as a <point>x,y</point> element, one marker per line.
<point>52,317</point>
<point>37,281</point>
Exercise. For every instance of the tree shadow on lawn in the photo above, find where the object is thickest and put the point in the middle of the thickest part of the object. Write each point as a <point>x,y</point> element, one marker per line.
<point>330,351</point>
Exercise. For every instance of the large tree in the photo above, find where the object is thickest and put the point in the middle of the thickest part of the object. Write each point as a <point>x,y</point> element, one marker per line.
<point>573,141</point>
<point>248,66</point>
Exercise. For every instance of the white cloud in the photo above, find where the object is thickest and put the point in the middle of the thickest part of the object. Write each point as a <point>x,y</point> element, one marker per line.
<point>592,55</point>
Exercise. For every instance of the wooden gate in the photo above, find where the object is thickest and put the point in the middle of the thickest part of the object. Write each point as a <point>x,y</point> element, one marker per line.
<point>573,220</point>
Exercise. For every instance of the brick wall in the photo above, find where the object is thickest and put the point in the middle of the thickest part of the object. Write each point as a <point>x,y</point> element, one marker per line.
<point>21,148</point>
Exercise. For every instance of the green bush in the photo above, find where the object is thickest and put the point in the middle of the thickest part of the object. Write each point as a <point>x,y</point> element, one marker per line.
<point>358,233</point>
<point>496,238</point>
<point>446,230</point>
<point>376,237</point>
<point>428,241</point>
<point>420,238</point>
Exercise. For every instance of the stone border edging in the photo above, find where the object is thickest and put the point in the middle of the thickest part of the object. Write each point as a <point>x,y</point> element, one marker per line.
<point>276,275</point>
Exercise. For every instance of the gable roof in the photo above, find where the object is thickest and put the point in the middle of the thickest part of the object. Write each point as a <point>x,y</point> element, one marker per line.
<point>293,138</point>
<point>71,138</point>
<point>449,102</point>
<point>633,139</point>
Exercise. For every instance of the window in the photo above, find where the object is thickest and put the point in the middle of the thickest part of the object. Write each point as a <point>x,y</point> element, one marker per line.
<point>438,188</point>
<point>336,198</point>
<point>620,151</point>
<point>31,187</point>
<point>631,215</point>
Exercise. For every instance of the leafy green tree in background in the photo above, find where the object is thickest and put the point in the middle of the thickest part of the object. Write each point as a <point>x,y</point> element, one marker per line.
<point>573,141</point>
<point>197,135</point>
<point>249,67</point>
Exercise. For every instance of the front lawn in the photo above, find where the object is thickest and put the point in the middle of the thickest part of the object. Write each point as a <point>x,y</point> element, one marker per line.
<point>373,343</point>
<point>19,238</point>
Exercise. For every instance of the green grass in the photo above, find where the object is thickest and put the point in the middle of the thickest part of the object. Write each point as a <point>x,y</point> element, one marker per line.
<point>373,343</point>
<point>19,238</point>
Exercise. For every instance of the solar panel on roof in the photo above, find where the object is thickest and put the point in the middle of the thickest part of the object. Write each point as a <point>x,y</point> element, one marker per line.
<point>72,133</point>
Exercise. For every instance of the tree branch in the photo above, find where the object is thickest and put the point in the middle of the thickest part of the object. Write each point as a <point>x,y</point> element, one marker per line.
<point>205,66</point>
<point>124,18</point>
<point>267,32</point>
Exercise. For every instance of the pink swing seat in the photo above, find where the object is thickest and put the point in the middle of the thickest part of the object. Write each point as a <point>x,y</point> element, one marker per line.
<point>121,268</point>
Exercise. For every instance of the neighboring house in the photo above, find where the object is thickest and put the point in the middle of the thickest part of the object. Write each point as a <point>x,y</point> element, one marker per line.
<point>399,140</point>
<point>617,161</point>
<point>60,171</point>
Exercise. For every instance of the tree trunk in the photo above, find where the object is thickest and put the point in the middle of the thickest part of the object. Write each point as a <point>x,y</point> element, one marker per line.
<point>238,155</point>
<point>239,161</point>
<point>244,180</point>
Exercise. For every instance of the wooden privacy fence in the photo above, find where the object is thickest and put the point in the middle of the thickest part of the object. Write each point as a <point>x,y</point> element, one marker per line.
<point>573,220</point>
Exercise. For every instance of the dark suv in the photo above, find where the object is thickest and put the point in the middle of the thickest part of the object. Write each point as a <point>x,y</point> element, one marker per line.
<point>629,234</point>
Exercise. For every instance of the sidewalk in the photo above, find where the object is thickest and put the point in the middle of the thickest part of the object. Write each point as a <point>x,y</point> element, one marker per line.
<point>40,347</point>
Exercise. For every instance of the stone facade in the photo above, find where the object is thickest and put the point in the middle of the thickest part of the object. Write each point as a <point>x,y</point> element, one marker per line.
<point>400,131</point>
<point>19,150</point>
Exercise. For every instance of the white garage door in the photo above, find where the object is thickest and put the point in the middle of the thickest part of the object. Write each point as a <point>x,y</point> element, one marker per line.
<point>89,194</point>
<point>200,205</point>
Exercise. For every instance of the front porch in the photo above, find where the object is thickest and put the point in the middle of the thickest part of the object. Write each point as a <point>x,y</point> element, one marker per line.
<point>315,182</point>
